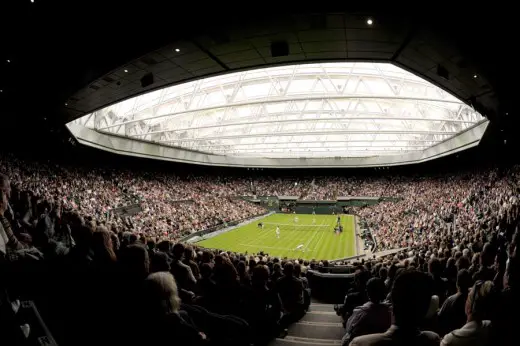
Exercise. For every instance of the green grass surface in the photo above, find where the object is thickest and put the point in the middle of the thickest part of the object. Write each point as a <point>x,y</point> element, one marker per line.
<point>318,238</point>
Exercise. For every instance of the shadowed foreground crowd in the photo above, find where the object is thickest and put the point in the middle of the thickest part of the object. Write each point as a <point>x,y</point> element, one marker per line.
<point>101,281</point>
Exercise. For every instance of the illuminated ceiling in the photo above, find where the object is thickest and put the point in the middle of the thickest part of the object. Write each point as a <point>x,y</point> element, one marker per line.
<point>342,109</point>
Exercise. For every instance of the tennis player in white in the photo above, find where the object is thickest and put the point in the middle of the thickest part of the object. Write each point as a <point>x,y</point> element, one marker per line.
<point>277,231</point>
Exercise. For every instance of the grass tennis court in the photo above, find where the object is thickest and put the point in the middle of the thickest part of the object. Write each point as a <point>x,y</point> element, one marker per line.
<point>314,232</point>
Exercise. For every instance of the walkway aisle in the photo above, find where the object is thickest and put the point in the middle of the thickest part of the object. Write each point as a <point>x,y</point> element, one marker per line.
<point>320,326</point>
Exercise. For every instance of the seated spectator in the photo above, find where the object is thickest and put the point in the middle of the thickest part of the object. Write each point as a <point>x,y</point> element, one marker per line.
<point>356,296</point>
<point>411,295</point>
<point>159,262</point>
<point>290,290</point>
<point>306,288</point>
<point>486,272</point>
<point>440,284</point>
<point>164,320</point>
<point>373,316</point>
<point>507,318</point>
<point>7,238</point>
<point>189,255</point>
<point>479,308</point>
<point>452,314</point>
<point>182,273</point>
<point>227,296</point>
<point>243,275</point>
<point>263,307</point>
<point>206,285</point>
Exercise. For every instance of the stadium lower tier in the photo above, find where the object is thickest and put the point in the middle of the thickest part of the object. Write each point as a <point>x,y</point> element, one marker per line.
<point>292,235</point>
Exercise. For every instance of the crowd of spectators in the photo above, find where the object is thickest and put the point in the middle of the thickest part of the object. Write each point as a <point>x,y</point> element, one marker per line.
<point>101,278</point>
<point>169,206</point>
<point>438,293</point>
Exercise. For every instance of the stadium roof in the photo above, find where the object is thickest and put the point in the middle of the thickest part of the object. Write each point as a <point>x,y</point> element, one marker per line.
<point>344,109</point>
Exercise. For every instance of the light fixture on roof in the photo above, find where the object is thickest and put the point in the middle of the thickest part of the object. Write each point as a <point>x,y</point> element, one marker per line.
<point>126,70</point>
<point>66,104</point>
<point>8,60</point>
<point>370,21</point>
<point>177,50</point>
<point>475,76</point>
<point>32,0</point>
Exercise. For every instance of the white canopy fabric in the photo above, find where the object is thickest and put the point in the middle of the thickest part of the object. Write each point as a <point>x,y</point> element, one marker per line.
<point>348,109</point>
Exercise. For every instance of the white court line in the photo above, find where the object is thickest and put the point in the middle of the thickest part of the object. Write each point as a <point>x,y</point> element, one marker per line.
<point>319,241</point>
<point>272,247</point>
<point>312,238</point>
<point>269,232</point>
<point>295,224</point>
<point>267,247</point>
<point>264,233</point>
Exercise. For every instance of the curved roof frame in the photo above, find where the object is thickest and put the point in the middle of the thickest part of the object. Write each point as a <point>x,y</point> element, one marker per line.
<point>347,109</point>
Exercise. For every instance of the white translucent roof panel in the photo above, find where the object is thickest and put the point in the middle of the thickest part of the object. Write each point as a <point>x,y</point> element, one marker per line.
<point>319,110</point>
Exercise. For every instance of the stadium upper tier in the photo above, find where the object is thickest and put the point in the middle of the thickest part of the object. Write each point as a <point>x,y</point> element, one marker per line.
<point>333,114</point>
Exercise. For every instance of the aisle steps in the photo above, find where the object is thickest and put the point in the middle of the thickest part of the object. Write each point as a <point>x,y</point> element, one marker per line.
<point>319,326</point>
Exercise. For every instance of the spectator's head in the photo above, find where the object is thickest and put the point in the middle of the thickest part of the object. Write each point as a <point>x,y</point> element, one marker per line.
<point>475,260</point>
<point>376,290</point>
<point>411,295</point>
<point>487,256</point>
<point>260,275</point>
<point>133,238</point>
<point>251,264</point>
<point>288,269</point>
<point>463,263</point>
<point>189,254</point>
<point>512,274</point>
<point>481,298</point>
<point>164,246</point>
<point>360,278</point>
<point>463,281</point>
<point>383,273</point>
<point>392,271</point>
<point>115,241</point>
<point>206,271</point>
<point>83,236</point>
<point>150,244</point>
<point>159,262</point>
<point>241,268</point>
<point>5,185</point>
<point>178,251</point>
<point>297,270</point>
<point>207,257</point>
<point>224,271</point>
<point>435,267</point>
<point>277,268</point>
<point>135,262</point>
<point>102,246</point>
<point>74,219</point>
<point>160,291</point>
